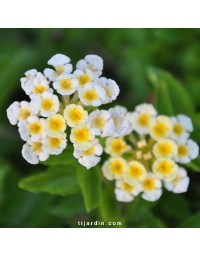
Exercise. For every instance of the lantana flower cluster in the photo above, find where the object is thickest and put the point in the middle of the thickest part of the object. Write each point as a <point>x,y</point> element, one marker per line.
<point>149,156</point>
<point>61,98</point>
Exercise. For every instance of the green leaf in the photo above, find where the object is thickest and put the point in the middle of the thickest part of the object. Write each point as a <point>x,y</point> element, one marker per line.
<point>151,221</point>
<point>65,158</point>
<point>195,135</point>
<point>4,170</point>
<point>176,94</point>
<point>195,164</point>
<point>59,180</point>
<point>191,222</point>
<point>90,184</point>
<point>109,207</point>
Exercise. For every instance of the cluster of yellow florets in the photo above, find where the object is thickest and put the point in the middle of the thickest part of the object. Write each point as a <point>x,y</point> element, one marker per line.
<point>43,121</point>
<point>147,158</point>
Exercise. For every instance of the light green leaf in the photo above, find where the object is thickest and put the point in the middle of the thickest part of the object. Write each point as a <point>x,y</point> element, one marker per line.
<point>195,164</point>
<point>191,222</point>
<point>195,135</point>
<point>90,184</point>
<point>65,158</point>
<point>177,94</point>
<point>59,180</point>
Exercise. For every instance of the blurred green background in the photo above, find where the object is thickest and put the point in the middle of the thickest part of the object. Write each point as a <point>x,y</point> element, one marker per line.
<point>127,55</point>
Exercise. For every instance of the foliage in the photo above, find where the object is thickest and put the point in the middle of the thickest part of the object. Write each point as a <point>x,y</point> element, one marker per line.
<point>160,66</point>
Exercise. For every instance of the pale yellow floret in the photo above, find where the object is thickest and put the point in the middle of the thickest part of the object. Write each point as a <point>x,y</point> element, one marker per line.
<point>24,113</point>
<point>178,129</point>
<point>82,135</point>
<point>76,114</point>
<point>59,70</point>
<point>56,123</point>
<point>176,180</point>
<point>127,187</point>
<point>89,152</point>
<point>164,167</point>
<point>35,128</point>
<point>99,122</point>
<point>37,147</point>
<point>160,129</point>
<point>182,151</point>
<point>90,95</point>
<point>143,120</point>
<point>135,170</point>
<point>55,142</point>
<point>47,104</point>
<point>39,89</point>
<point>66,84</point>
<point>149,184</point>
<point>117,166</point>
<point>83,79</point>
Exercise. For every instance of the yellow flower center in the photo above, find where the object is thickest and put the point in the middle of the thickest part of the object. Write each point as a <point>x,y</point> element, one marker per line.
<point>76,115</point>
<point>135,171</point>
<point>178,129</point>
<point>164,167</point>
<point>66,84</point>
<point>82,135</point>
<point>55,142</point>
<point>56,123</point>
<point>116,122</point>
<point>59,70</point>
<point>182,151</point>
<point>160,129</point>
<point>118,146</point>
<point>176,180</point>
<point>164,148</point>
<point>117,167</point>
<point>88,152</point>
<point>90,95</point>
<point>83,79</point>
<point>143,120</point>
<point>107,91</point>
<point>127,187</point>
<point>149,184</point>
<point>39,89</point>
<point>47,104</point>
<point>99,122</point>
<point>37,147</point>
<point>24,113</point>
<point>35,128</point>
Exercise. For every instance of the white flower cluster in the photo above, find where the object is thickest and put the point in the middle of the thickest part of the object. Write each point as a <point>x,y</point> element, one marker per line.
<point>151,157</point>
<point>42,122</point>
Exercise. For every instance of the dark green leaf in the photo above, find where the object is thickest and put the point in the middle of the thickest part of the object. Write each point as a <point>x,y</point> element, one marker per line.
<point>178,96</point>
<point>90,184</point>
<point>60,180</point>
<point>191,222</point>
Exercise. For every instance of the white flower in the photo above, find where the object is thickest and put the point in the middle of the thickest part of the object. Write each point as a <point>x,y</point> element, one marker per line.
<point>121,109</point>
<point>111,88</point>
<point>131,118</point>
<point>136,173</point>
<point>93,62</point>
<point>124,192</point>
<point>27,81</point>
<point>92,94</point>
<point>121,124</point>
<point>55,125</point>
<point>116,146</point>
<point>90,157</point>
<point>165,169</point>
<point>66,84</point>
<point>32,127</point>
<point>180,183</point>
<point>101,123</point>
<point>151,187</point>
<point>18,111</point>
<point>45,104</point>
<point>84,77</point>
<point>61,64</point>
<point>54,146</point>
<point>165,148</point>
<point>114,168</point>
<point>187,151</point>
<point>182,126</point>
<point>160,127</point>
<point>82,137</point>
<point>142,117</point>
<point>33,152</point>
<point>75,115</point>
